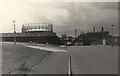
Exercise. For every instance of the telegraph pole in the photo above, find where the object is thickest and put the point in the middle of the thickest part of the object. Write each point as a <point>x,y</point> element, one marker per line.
<point>14,33</point>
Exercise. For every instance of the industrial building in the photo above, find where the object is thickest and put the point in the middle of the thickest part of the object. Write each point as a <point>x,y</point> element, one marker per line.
<point>97,38</point>
<point>34,32</point>
<point>91,38</point>
<point>37,27</point>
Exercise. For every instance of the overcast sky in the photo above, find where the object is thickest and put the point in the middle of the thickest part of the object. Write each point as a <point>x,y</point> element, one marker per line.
<point>65,16</point>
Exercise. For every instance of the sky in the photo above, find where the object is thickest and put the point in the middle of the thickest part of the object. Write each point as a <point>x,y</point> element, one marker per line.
<point>65,16</point>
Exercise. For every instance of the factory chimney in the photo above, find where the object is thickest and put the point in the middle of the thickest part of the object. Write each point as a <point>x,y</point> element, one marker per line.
<point>75,33</point>
<point>102,29</point>
<point>93,29</point>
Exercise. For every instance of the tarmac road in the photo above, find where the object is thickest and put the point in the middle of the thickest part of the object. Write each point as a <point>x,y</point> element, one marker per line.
<point>14,55</point>
<point>94,59</point>
<point>55,63</point>
<point>84,59</point>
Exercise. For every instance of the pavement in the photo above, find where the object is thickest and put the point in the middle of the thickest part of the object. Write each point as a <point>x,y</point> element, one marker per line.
<point>94,59</point>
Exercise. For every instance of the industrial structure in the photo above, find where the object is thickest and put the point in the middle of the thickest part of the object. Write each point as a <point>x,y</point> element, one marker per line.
<point>37,27</point>
<point>91,38</point>
<point>34,32</point>
<point>97,38</point>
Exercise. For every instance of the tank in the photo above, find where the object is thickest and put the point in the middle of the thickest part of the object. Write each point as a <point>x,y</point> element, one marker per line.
<point>37,27</point>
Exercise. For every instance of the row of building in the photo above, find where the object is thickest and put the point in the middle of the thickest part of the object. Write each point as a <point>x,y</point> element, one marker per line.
<point>43,33</point>
<point>91,38</point>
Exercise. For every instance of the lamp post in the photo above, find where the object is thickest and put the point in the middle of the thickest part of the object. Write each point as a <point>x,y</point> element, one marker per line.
<point>112,35</point>
<point>14,33</point>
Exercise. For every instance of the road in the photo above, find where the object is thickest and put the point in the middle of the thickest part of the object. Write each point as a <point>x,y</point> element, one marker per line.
<point>0,58</point>
<point>15,55</point>
<point>39,60</point>
<point>56,64</point>
<point>94,59</point>
<point>84,59</point>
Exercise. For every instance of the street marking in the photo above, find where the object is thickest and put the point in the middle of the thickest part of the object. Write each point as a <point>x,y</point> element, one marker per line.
<point>41,62</point>
<point>34,66</point>
<point>69,64</point>
<point>47,48</point>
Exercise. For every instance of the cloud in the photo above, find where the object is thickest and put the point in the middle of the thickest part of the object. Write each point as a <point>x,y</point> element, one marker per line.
<point>30,13</point>
<point>106,5</point>
<point>85,15</point>
<point>66,16</point>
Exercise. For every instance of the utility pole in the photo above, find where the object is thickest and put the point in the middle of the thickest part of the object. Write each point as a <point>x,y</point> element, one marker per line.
<point>102,29</point>
<point>93,29</point>
<point>14,33</point>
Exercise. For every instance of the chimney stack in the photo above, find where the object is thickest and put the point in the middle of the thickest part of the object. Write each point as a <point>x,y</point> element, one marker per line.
<point>75,32</point>
<point>102,29</point>
<point>93,29</point>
